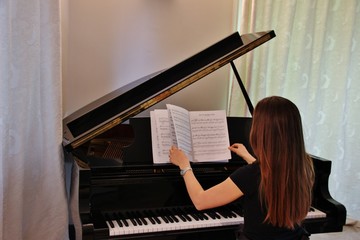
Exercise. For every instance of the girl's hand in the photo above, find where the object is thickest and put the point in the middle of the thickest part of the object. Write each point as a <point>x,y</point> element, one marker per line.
<point>241,151</point>
<point>178,158</point>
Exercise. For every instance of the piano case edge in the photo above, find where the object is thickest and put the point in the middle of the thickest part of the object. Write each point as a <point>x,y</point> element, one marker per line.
<point>322,200</point>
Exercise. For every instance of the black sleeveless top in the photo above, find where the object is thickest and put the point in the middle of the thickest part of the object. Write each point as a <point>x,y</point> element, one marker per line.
<point>247,179</point>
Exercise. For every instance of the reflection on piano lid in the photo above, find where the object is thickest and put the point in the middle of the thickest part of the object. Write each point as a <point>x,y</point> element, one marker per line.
<point>128,101</point>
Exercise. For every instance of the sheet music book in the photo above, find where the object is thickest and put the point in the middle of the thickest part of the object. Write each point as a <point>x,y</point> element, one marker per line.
<point>202,135</point>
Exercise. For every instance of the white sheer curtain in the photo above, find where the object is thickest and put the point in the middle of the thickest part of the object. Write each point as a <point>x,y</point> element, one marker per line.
<point>33,201</point>
<point>314,61</point>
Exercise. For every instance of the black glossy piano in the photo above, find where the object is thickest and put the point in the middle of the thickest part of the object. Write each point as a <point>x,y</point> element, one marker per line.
<point>118,193</point>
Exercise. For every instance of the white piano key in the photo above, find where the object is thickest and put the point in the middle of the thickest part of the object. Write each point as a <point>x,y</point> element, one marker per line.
<point>117,229</point>
<point>112,230</point>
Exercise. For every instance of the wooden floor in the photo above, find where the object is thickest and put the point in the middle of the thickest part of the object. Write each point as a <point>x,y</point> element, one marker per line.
<point>351,231</point>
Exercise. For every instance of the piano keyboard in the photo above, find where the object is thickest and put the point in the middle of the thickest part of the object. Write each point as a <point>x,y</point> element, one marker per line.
<point>315,213</point>
<point>160,220</point>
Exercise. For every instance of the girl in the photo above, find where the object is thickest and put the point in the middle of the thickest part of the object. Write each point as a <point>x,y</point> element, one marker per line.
<point>276,185</point>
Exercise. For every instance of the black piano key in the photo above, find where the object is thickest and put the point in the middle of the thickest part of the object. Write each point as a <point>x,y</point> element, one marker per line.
<point>192,213</point>
<point>118,220</point>
<point>237,209</point>
<point>150,217</point>
<point>172,219</point>
<point>108,219</point>
<point>175,218</point>
<point>169,218</point>
<point>138,221</point>
<point>135,218</point>
<point>153,219</point>
<point>182,218</point>
<point>222,213</point>
<point>227,212</point>
<point>165,214</point>
<point>176,211</point>
<point>210,214</point>
<point>217,215</point>
<point>123,219</point>
<point>141,218</point>
<point>195,216</point>
<point>199,216</point>
<point>164,218</point>
<point>213,214</point>
<point>203,216</point>
<point>154,216</point>
<point>132,220</point>
<point>171,215</point>
<point>231,213</point>
<point>184,214</point>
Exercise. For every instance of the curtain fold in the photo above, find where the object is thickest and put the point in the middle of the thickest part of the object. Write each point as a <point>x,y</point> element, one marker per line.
<point>33,203</point>
<point>313,61</point>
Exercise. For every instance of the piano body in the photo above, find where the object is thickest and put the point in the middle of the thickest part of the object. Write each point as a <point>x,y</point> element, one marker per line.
<point>117,191</point>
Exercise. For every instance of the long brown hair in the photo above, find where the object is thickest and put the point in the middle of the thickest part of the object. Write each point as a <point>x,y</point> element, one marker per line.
<point>287,173</point>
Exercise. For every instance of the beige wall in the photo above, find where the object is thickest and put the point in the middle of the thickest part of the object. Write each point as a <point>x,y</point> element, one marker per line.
<point>107,44</point>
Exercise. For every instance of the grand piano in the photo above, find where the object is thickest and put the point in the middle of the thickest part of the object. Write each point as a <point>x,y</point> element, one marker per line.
<point>118,192</point>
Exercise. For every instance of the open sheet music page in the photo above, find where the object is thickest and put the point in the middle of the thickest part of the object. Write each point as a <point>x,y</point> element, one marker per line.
<point>210,136</point>
<point>180,124</point>
<point>202,135</point>
<point>160,135</point>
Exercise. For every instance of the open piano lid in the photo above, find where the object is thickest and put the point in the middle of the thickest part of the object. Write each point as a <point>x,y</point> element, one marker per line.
<point>130,100</point>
